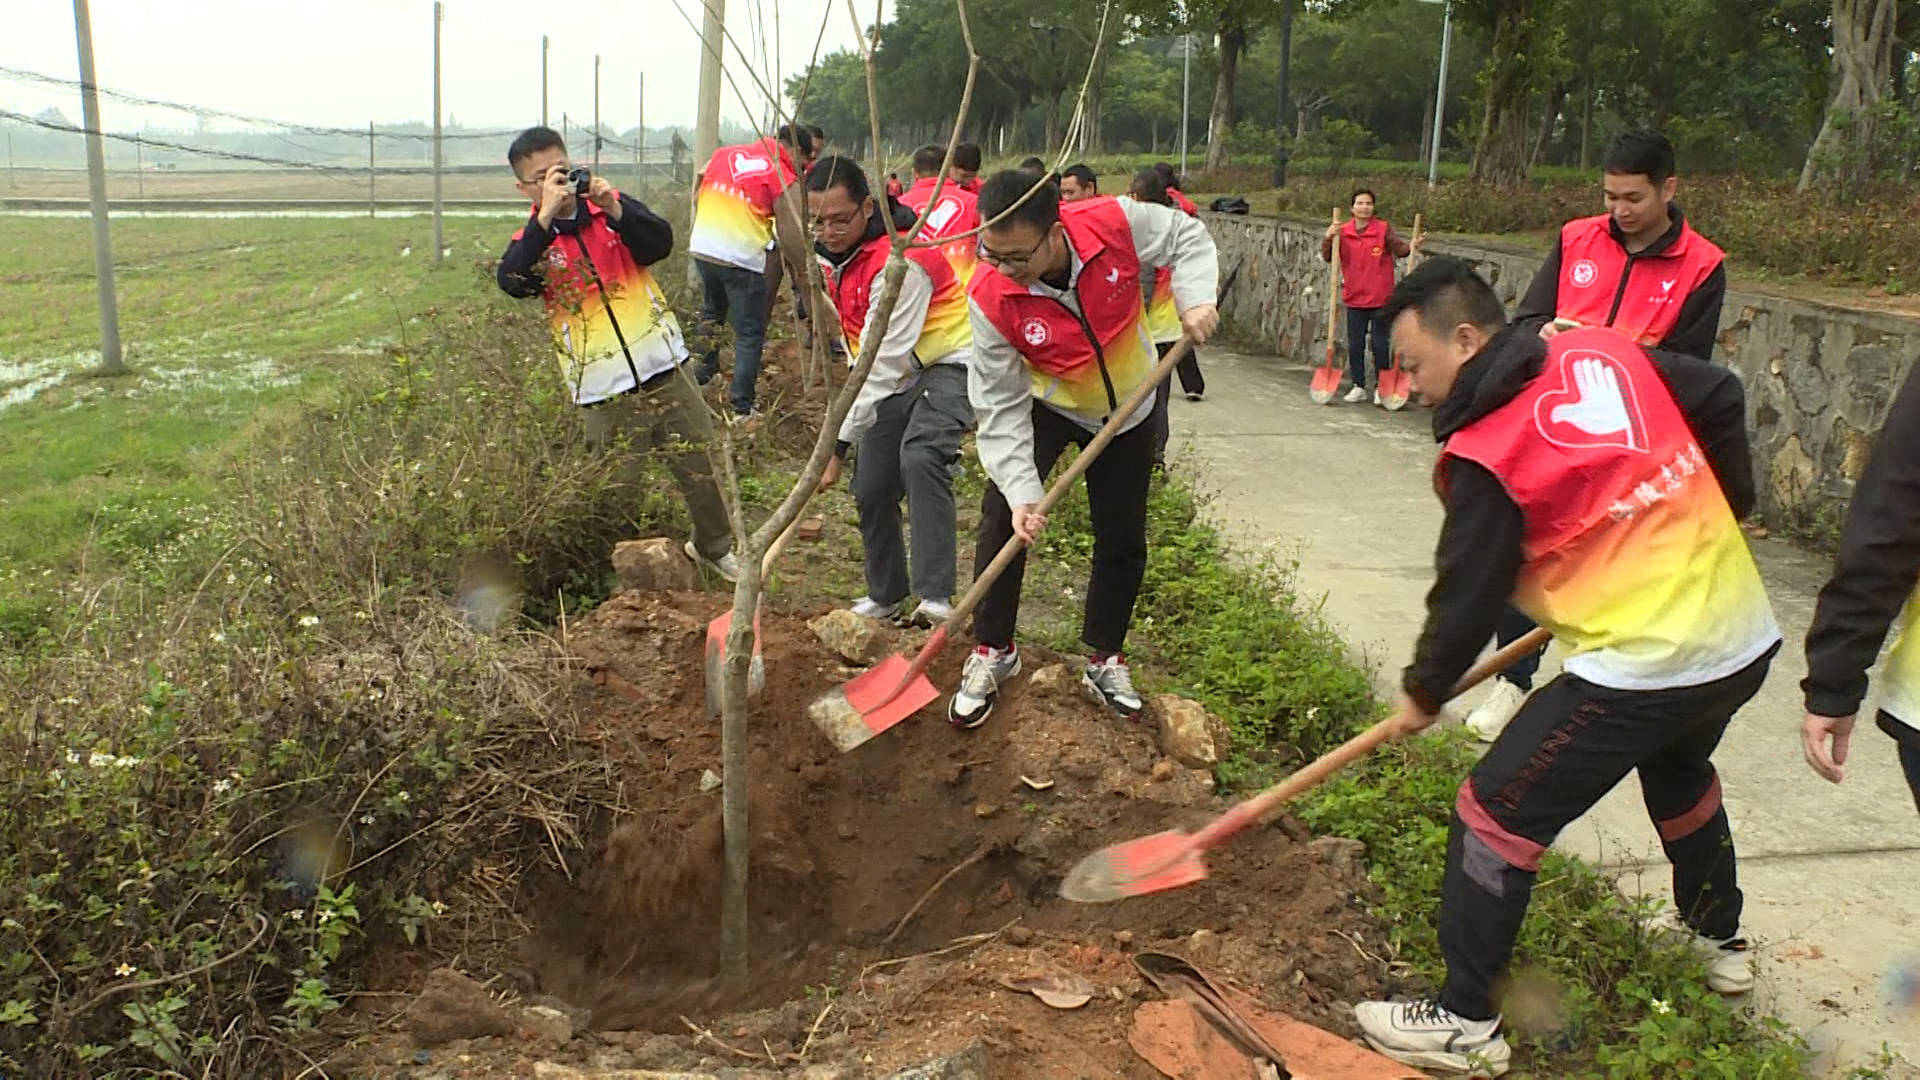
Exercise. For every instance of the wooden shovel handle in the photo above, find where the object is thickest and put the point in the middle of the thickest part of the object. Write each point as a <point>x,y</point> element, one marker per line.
<point>1413,258</point>
<point>1011,549</point>
<point>1333,287</point>
<point>1309,776</point>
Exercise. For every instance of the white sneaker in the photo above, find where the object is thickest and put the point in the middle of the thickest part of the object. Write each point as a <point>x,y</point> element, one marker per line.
<point>1110,683</point>
<point>1356,395</point>
<point>868,608</point>
<point>1497,711</point>
<point>986,670</point>
<point>1729,960</point>
<point>1192,396</point>
<point>931,613</point>
<point>1422,1034</point>
<point>1376,398</point>
<point>727,566</point>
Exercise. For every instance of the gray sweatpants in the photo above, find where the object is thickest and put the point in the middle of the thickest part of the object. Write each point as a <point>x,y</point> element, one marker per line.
<point>910,452</point>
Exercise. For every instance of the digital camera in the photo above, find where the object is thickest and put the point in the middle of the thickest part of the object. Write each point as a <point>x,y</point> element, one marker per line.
<point>581,179</point>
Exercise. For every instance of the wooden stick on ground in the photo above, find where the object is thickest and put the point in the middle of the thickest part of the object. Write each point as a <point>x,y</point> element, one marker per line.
<point>979,853</point>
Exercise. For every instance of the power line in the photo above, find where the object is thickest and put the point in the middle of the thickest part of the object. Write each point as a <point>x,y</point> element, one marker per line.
<point>231,155</point>
<point>208,113</point>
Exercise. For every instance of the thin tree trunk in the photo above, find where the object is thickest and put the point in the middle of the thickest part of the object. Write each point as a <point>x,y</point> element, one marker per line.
<point>1232,40</point>
<point>1555,101</point>
<point>1841,155</point>
<point>1500,154</point>
<point>1426,130</point>
<point>1586,126</point>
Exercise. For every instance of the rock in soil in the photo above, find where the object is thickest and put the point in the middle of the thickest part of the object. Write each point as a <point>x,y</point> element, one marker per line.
<point>544,1025</point>
<point>1344,856</point>
<point>452,1006</point>
<point>854,639</point>
<point>968,1064</point>
<point>651,565</point>
<point>1055,679</point>
<point>1186,731</point>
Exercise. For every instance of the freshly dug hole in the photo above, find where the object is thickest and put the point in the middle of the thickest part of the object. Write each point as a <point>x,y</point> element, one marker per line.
<point>845,845</point>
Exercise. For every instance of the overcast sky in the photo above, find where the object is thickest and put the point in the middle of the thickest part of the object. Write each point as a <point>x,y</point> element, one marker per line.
<point>345,62</point>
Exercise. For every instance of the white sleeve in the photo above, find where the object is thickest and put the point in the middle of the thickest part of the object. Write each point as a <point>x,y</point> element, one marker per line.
<point>1163,236</point>
<point>1002,397</point>
<point>894,366</point>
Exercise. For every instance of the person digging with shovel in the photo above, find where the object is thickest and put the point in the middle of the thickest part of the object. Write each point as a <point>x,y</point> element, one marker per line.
<point>912,412</point>
<point>1599,484</point>
<point>1059,340</point>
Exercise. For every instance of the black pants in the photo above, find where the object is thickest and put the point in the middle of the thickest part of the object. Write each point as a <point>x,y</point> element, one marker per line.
<point>1191,382</point>
<point>1568,746</point>
<point>1908,741</point>
<point>1359,320</point>
<point>1117,497</point>
<point>1514,625</point>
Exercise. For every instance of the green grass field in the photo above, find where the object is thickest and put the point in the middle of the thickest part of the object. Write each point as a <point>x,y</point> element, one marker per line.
<point>227,322</point>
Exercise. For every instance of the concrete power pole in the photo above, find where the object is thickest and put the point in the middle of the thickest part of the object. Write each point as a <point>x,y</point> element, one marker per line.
<point>706,130</point>
<point>372,199</point>
<point>112,362</point>
<point>543,80</point>
<point>640,142</point>
<point>439,237</point>
<point>596,113</point>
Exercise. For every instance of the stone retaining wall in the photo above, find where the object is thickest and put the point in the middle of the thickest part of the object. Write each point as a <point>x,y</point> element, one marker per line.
<point>1819,377</point>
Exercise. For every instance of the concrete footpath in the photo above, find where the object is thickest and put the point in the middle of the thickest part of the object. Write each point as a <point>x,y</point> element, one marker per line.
<point>1831,874</point>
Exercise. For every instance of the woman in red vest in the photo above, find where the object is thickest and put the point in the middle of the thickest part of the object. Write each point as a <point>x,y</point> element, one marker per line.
<point>1599,485</point>
<point>1059,341</point>
<point>1368,247</point>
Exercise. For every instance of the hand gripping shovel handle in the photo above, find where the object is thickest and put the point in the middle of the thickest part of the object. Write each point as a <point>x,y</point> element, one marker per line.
<point>1011,549</point>
<point>1252,810</point>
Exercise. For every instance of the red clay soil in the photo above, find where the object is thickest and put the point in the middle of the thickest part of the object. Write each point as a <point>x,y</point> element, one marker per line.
<point>844,845</point>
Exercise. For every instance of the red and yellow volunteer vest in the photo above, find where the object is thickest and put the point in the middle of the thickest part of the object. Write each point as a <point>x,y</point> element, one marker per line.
<point>1632,555</point>
<point>1366,266</point>
<point>733,216</point>
<point>1163,316</point>
<point>591,360</point>
<point>1640,297</point>
<point>1085,364</point>
<point>1900,673</point>
<point>957,214</point>
<point>946,330</point>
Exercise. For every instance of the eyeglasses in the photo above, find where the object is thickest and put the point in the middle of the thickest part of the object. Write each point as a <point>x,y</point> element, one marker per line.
<point>835,221</point>
<point>1013,260</point>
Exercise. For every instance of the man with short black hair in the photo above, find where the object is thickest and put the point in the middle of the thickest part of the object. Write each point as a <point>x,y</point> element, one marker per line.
<point>953,219</point>
<point>1059,341</point>
<point>966,167</point>
<point>742,207</point>
<point>1638,268</point>
<point>1078,182</point>
<point>911,413</point>
<point>618,343</point>
<point>1600,485</point>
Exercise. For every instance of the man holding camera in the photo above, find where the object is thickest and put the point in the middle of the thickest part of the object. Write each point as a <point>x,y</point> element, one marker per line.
<point>586,249</point>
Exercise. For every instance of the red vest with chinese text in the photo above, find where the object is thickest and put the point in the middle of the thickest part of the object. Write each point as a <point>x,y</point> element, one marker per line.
<point>1640,296</point>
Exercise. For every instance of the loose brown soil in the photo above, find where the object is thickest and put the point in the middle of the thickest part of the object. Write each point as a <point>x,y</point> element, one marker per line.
<point>844,845</point>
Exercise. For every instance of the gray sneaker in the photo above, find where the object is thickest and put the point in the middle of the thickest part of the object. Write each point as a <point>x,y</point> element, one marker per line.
<point>1423,1034</point>
<point>1110,683</point>
<point>727,566</point>
<point>931,613</point>
<point>987,669</point>
<point>868,608</point>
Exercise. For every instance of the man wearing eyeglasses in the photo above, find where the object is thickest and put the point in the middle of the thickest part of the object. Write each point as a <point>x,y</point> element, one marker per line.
<point>1059,341</point>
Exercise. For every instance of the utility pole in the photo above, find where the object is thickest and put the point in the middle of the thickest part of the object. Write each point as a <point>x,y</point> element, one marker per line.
<point>439,237</point>
<point>596,112</point>
<point>543,80</point>
<point>1440,95</point>
<point>139,168</point>
<point>1186,84</point>
<point>640,143</point>
<point>372,202</point>
<point>111,360</point>
<point>10,161</point>
<point>706,130</point>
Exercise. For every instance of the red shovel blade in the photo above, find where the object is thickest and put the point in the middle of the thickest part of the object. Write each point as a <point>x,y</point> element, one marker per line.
<point>1396,387</point>
<point>867,704</point>
<point>1326,380</point>
<point>1150,864</point>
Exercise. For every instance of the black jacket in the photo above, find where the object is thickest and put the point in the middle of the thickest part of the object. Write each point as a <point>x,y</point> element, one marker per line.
<point>1698,324</point>
<point>1875,572</point>
<point>647,235</point>
<point>1478,558</point>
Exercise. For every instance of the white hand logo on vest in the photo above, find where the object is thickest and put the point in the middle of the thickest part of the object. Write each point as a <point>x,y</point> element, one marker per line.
<point>1595,406</point>
<point>750,165</point>
<point>941,216</point>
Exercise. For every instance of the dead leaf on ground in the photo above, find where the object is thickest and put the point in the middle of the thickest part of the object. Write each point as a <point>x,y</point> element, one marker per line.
<point>1060,991</point>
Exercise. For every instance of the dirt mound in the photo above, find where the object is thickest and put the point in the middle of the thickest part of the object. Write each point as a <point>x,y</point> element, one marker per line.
<point>845,845</point>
